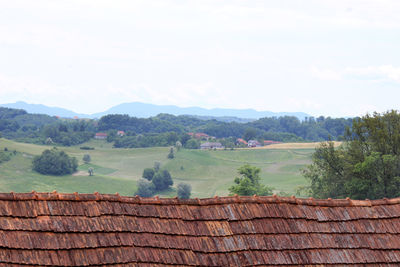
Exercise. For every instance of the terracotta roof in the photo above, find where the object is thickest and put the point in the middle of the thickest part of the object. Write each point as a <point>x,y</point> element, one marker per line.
<point>51,229</point>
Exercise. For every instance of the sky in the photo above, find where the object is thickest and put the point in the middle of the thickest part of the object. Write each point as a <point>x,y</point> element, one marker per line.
<point>333,58</point>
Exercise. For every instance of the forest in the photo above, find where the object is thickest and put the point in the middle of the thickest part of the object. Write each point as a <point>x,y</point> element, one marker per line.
<point>164,129</point>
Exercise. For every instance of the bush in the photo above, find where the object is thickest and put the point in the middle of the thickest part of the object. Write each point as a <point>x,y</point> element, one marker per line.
<point>162,180</point>
<point>249,182</point>
<point>157,166</point>
<point>148,173</point>
<point>86,148</point>
<point>192,144</point>
<point>54,162</point>
<point>171,153</point>
<point>184,190</point>
<point>86,158</point>
<point>145,188</point>
<point>4,156</point>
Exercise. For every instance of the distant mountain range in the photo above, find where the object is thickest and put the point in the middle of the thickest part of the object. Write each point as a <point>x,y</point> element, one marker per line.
<point>143,110</point>
<point>42,109</point>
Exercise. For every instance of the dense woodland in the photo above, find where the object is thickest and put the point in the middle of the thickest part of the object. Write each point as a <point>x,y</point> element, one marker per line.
<point>163,129</point>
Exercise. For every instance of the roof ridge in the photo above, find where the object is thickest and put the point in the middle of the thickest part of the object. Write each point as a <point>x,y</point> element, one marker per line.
<point>196,201</point>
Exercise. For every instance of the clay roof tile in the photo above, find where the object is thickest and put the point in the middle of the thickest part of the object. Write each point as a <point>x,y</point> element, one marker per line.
<point>60,229</point>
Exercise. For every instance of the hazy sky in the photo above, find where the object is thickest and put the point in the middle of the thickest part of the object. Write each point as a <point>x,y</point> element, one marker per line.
<point>337,58</point>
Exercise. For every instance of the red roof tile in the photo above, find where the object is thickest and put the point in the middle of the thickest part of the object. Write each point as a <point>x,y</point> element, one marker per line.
<point>51,229</point>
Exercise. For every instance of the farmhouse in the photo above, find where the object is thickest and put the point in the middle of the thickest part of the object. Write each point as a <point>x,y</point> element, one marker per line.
<point>100,136</point>
<point>200,136</point>
<point>211,145</point>
<point>241,141</point>
<point>120,133</point>
<point>51,229</point>
<point>253,143</point>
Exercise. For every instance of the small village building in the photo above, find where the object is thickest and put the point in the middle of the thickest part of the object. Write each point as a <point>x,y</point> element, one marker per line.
<point>211,145</point>
<point>241,141</point>
<point>120,133</point>
<point>53,229</point>
<point>100,136</point>
<point>253,143</point>
<point>203,136</point>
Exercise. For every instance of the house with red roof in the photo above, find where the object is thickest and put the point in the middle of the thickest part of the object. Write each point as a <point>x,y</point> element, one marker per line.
<point>241,141</point>
<point>100,136</point>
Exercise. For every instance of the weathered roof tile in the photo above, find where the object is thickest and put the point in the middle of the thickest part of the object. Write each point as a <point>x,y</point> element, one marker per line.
<point>54,229</point>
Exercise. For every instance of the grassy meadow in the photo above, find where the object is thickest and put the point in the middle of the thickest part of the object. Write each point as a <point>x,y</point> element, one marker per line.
<point>210,172</point>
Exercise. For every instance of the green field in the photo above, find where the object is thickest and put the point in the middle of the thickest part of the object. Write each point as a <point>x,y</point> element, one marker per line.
<point>117,170</point>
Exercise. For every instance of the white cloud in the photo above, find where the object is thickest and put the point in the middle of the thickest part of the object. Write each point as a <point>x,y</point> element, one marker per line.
<point>325,74</point>
<point>384,73</point>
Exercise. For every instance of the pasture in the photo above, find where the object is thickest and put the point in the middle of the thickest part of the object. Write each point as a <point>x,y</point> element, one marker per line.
<point>210,172</point>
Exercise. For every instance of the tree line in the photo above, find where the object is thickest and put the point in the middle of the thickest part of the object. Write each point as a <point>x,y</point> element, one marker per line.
<point>163,129</point>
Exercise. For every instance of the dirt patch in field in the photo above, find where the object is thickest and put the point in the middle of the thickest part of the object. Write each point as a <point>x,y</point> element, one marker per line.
<point>295,145</point>
<point>80,173</point>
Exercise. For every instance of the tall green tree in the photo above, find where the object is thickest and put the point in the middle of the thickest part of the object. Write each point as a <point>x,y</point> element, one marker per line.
<point>366,166</point>
<point>248,183</point>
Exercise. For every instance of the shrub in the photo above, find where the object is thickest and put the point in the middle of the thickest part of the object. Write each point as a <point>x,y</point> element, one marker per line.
<point>184,190</point>
<point>162,180</point>
<point>86,148</point>
<point>148,173</point>
<point>157,166</point>
<point>91,171</point>
<point>86,158</point>
<point>4,156</point>
<point>55,162</point>
<point>192,144</point>
<point>145,188</point>
<point>171,153</point>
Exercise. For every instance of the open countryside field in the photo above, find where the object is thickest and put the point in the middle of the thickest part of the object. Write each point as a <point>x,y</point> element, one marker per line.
<point>209,172</point>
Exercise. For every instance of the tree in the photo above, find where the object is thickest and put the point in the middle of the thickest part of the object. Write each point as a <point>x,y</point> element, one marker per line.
<point>184,190</point>
<point>171,153</point>
<point>192,144</point>
<point>366,166</point>
<point>55,162</point>
<point>157,166</point>
<point>86,158</point>
<point>91,171</point>
<point>249,134</point>
<point>49,141</point>
<point>145,188</point>
<point>148,173</point>
<point>249,182</point>
<point>178,145</point>
<point>162,180</point>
